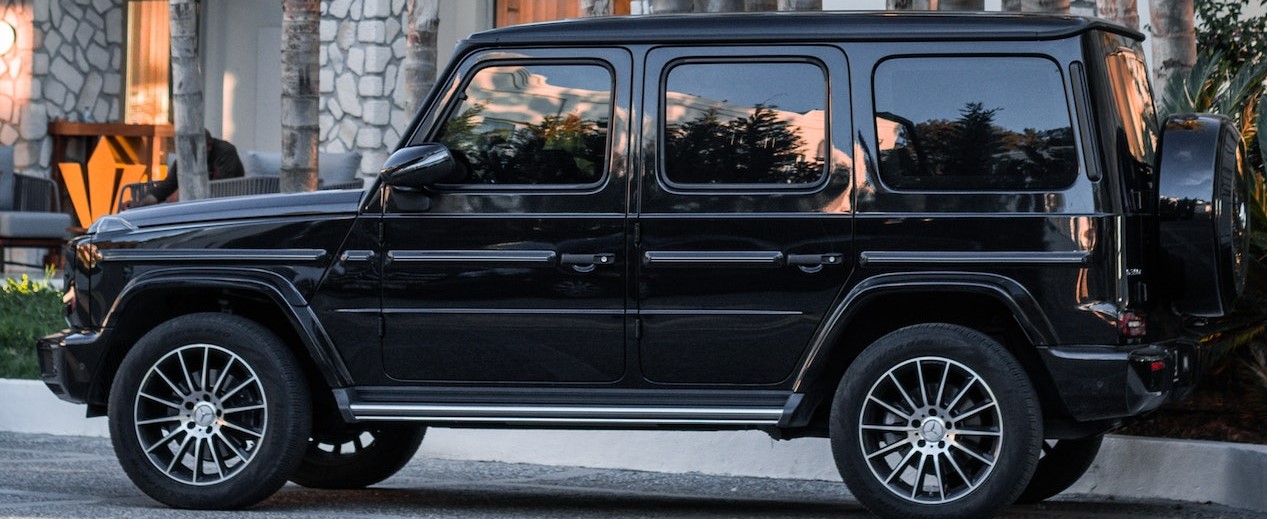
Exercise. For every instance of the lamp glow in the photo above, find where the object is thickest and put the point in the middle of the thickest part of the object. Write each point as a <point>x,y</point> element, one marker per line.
<point>7,37</point>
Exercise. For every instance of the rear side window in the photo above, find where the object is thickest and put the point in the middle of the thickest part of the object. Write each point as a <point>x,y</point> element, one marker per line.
<point>532,124</point>
<point>987,123</point>
<point>737,125</point>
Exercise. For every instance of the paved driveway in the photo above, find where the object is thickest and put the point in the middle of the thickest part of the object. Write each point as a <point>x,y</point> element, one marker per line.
<point>58,476</point>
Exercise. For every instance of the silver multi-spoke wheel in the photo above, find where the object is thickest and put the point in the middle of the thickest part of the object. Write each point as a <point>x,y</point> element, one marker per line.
<point>201,413</point>
<point>935,420</point>
<point>931,430</point>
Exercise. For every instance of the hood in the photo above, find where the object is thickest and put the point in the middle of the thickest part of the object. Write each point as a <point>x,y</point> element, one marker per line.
<point>325,203</point>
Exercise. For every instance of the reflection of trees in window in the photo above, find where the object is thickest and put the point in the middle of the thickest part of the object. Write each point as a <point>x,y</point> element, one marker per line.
<point>757,149</point>
<point>562,149</point>
<point>973,151</point>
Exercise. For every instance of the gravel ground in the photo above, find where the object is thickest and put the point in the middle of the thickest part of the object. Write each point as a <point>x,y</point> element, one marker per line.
<point>64,476</point>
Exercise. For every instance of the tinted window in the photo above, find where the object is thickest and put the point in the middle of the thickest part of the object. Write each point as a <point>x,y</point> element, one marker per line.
<point>532,125</point>
<point>973,124</point>
<point>756,124</point>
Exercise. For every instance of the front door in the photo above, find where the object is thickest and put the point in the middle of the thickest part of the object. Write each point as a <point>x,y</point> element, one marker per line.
<point>744,223</point>
<point>517,272</point>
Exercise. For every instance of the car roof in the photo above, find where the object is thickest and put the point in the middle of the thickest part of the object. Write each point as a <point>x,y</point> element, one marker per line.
<point>797,27</point>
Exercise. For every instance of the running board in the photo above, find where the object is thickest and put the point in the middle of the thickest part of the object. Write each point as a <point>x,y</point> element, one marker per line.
<point>598,408</point>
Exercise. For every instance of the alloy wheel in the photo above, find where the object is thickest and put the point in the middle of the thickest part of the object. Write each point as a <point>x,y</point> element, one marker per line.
<point>201,414</point>
<point>931,430</point>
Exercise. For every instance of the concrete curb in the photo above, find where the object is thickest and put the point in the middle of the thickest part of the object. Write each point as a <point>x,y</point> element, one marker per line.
<point>1229,474</point>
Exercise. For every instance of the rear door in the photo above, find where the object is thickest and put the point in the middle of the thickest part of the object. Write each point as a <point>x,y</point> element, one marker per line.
<point>744,227</point>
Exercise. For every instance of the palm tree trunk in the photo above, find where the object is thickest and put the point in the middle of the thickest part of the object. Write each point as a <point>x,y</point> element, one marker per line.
<point>1121,12</point>
<point>300,40</point>
<point>757,6</point>
<point>187,103</point>
<point>672,6</point>
<point>800,5</point>
<point>1174,42</point>
<point>911,5</point>
<point>596,7</point>
<point>961,5</point>
<point>422,25</point>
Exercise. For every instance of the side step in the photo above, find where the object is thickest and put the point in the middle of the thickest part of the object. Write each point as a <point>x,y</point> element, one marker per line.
<point>605,408</point>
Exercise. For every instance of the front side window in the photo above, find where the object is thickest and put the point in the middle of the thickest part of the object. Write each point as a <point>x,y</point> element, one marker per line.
<point>532,125</point>
<point>988,123</point>
<point>745,124</point>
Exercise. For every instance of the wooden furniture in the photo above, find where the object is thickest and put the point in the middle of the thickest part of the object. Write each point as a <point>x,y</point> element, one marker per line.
<point>95,160</point>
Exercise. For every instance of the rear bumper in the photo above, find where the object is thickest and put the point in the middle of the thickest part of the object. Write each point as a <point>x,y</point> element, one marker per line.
<point>1105,382</point>
<point>68,362</point>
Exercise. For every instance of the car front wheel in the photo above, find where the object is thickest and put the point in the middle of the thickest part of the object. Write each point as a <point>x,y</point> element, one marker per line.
<point>209,411</point>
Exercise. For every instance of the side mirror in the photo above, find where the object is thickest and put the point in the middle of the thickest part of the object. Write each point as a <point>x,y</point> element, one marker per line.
<point>417,167</point>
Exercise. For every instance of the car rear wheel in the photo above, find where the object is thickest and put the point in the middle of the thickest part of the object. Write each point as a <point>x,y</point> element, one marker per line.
<point>209,411</point>
<point>357,458</point>
<point>1063,462</point>
<point>935,420</point>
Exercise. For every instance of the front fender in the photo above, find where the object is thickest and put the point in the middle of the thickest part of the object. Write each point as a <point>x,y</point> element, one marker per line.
<point>275,287</point>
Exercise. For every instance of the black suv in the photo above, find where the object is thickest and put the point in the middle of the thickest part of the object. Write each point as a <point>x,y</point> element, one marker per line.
<point>949,243</point>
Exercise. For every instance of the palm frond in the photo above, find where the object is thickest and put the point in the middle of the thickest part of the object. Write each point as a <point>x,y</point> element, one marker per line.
<point>1193,92</point>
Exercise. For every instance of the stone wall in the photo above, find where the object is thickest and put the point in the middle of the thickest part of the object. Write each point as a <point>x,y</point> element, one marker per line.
<point>363,104</point>
<point>15,73</point>
<point>75,72</point>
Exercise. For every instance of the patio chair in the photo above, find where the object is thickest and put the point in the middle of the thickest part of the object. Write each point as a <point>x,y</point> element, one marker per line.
<point>30,213</point>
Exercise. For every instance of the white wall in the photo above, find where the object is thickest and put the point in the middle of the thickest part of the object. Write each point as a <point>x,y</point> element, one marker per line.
<point>242,72</point>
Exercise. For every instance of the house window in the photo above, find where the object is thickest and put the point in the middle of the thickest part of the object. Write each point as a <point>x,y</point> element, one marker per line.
<point>148,63</point>
<point>514,12</point>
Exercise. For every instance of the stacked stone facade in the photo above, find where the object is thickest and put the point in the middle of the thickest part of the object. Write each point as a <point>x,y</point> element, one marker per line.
<point>67,65</point>
<point>363,101</point>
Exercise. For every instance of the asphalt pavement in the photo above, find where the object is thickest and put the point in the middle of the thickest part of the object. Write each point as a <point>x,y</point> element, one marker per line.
<point>67,476</point>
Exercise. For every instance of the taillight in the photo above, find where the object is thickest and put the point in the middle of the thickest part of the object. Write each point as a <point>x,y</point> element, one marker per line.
<point>1131,325</point>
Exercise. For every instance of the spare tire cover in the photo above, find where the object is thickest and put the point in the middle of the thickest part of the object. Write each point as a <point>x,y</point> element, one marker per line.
<point>1203,212</point>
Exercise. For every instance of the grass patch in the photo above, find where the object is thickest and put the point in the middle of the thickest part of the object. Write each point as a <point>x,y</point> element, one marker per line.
<point>28,310</point>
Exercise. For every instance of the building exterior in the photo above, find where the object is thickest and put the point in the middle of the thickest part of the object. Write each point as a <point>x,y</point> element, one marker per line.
<point>107,61</point>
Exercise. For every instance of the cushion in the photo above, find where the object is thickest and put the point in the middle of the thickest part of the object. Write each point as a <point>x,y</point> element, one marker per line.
<point>24,224</point>
<point>262,164</point>
<point>6,178</point>
<point>332,168</point>
<point>338,168</point>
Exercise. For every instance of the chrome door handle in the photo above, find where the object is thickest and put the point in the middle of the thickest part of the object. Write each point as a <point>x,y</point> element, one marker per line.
<point>582,260</point>
<point>814,260</point>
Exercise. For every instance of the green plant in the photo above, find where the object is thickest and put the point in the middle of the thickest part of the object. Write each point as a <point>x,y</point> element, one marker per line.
<point>1229,79</point>
<point>28,310</point>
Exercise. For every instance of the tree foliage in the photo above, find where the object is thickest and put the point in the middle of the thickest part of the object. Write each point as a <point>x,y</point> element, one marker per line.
<point>562,149</point>
<point>760,148</point>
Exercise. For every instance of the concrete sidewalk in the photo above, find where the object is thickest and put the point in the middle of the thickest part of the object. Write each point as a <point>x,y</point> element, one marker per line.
<point>1128,467</point>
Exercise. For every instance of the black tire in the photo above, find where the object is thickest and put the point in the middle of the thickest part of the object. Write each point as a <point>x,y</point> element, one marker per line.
<point>1062,463</point>
<point>357,458</point>
<point>236,416</point>
<point>978,424</point>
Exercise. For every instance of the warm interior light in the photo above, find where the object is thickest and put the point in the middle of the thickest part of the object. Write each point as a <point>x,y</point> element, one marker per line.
<point>7,36</point>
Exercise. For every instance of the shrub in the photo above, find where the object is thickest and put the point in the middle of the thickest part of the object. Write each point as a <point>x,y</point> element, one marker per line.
<point>28,310</point>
